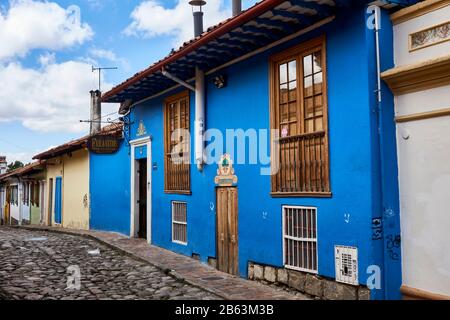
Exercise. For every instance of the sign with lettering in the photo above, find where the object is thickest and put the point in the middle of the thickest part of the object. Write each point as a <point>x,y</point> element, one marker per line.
<point>103,144</point>
<point>225,174</point>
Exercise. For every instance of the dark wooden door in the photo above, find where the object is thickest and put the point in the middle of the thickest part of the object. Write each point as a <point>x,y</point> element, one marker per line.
<point>142,233</point>
<point>227,230</point>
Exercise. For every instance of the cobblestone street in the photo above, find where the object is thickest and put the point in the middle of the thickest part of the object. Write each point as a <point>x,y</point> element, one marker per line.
<point>34,266</point>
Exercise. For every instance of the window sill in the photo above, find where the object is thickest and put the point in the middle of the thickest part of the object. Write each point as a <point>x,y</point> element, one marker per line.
<point>180,243</point>
<point>178,192</point>
<point>301,194</point>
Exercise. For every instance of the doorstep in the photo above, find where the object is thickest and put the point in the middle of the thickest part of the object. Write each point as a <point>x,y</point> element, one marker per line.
<point>184,268</point>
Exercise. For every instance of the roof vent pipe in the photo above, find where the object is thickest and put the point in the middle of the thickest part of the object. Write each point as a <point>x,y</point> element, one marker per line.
<point>198,16</point>
<point>237,7</point>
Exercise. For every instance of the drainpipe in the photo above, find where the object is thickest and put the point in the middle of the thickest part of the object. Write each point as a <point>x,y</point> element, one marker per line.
<point>385,204</point>
<point>376,10</point>
<point>199,116</point>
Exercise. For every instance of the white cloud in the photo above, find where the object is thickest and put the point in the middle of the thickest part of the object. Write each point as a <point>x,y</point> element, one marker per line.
<point>47,58</point>
<point>103,54</point>
<point>108,55</point>
<point>52,99</point>
<point>29,25</point>
<point>151,19</point>
<point>24,157</point>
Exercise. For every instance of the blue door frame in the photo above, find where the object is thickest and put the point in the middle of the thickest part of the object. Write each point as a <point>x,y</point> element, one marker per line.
<point>58,200</point>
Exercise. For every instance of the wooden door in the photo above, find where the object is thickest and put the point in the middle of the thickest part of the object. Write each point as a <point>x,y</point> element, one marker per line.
<point>227,230</point>
<point>142,233</point>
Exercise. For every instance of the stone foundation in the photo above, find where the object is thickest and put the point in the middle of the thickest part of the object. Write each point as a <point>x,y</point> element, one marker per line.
<point>315,286</point>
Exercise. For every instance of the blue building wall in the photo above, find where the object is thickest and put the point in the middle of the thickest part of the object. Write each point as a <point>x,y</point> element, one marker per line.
<point>110,190</point>
<point>390,210</point>
<point>343,219</point>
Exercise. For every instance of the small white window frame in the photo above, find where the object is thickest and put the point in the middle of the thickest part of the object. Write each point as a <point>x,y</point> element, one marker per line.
<point>284,237</point>
<point>178,223</point>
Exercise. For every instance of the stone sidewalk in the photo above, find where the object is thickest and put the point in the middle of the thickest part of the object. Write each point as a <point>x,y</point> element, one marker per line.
<point>182,267</point>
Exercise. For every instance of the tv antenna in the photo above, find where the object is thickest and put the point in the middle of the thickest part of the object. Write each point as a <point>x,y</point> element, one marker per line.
<point>99,69</point>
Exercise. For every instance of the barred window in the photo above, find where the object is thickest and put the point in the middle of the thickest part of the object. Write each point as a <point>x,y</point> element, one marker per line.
<point>300,238</point>
<point>299,112</point>
<point>179,222</point>
<point>177,144</point>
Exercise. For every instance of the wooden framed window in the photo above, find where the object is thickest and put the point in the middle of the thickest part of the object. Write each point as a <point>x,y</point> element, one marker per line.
<point>299,113</point>
<point>177,144</point>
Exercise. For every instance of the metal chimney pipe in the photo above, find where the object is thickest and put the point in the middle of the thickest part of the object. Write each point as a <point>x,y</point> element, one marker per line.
<point>199,89</point>
<point>237,7</point>
<point>198,23</point>
<point>96,112</point>
<point>198,16</point>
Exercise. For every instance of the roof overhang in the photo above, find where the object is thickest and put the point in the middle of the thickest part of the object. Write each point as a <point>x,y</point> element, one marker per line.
<point>266,22</point>
<point>78,144</point>
<point>63,149</point>
<point>26,170</point>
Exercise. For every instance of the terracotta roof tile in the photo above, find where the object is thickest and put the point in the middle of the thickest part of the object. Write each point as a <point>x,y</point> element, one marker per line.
<point>114,129</point>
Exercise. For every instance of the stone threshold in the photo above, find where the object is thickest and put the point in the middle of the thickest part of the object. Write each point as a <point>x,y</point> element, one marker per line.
<point>181,267</point>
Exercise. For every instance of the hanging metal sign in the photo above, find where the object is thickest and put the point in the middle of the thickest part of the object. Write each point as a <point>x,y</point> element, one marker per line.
<point>103,144</point>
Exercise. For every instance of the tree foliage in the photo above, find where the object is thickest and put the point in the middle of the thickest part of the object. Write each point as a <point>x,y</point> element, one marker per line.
<point>15,165</point>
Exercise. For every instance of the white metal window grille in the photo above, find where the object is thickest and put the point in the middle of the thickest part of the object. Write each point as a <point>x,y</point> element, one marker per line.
<point>346,264</point>
<point>300,238</point>
<point>179,222</point>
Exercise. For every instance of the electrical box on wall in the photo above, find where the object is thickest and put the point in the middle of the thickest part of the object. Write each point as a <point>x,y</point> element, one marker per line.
<point>346,264</point>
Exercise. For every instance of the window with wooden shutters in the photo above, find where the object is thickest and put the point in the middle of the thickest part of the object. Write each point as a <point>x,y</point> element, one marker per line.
<point>299,113</point>
<point>300,238</point>
<point>177,144</point>
<point>179,222</point>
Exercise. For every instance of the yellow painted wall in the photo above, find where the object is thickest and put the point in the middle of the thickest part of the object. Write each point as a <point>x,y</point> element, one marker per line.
<point>76,191</point>
<point>74,171</point>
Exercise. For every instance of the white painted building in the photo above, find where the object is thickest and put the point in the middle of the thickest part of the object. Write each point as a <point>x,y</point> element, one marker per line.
<point>2,203</point>
<point>20,196</point>
<point>3,165</point>
<point>421,84</point>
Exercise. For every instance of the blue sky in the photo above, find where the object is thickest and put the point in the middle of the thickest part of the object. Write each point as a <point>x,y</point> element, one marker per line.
<point>48,47</point>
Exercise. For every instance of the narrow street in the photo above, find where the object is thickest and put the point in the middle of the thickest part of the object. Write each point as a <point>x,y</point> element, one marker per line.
<point>37,265</point>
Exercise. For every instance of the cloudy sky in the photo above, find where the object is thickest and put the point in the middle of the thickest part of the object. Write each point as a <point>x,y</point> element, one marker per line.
<point>47,49</point>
